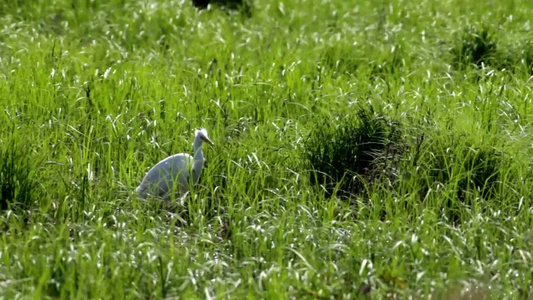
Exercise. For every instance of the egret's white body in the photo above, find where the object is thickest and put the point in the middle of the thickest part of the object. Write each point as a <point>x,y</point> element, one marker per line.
<point>161,179</point>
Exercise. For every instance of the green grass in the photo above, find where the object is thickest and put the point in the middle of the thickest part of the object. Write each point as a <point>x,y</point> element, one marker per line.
<point>93,93</point>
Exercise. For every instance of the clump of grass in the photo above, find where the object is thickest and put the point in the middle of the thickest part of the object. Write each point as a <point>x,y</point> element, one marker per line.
<point>349,152</point>
<point>17,179</point>
<point>389,63</point>
<point>340,59</point>
<point>468,173</point>
<point>476,47</point>
<point>478,169</point>
<point>527,57</point>
<point>479,47</point>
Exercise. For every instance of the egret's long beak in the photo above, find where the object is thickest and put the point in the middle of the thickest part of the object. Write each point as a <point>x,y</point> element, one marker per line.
<point>207,140</point>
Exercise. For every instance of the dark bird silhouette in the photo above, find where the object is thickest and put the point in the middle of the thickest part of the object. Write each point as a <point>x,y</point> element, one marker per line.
<point>243,5</point>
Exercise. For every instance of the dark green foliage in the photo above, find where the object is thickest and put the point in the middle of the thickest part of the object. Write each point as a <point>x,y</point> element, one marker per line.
<point>477,47</point>
<point>228,3</point>
<point>389,64</point>
<point>340,59</point>
<point>472,173</point>
<point>527,57</point>
<point>243,5</point>
<point>482,170</point>
<point>347,153</point>
<point>479,169</point>
<point>17,178</point>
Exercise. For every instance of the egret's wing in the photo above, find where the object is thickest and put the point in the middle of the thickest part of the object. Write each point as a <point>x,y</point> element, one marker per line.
<point>178,169</point>
<point>160,179</point>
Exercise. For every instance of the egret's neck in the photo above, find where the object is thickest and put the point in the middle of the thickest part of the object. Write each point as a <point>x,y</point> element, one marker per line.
<point>198,153</point>
<point>198,159</point>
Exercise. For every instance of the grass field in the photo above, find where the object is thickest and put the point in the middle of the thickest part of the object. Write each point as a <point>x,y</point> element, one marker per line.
<point>363,149</point>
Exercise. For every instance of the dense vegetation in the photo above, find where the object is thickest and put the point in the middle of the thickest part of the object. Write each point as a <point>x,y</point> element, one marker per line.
<point>363,149</point>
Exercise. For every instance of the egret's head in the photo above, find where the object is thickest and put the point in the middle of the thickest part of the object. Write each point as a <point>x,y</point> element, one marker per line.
<point>202,135</point>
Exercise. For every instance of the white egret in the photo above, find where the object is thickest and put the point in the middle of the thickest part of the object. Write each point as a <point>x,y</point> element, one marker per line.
<point>159,181</point>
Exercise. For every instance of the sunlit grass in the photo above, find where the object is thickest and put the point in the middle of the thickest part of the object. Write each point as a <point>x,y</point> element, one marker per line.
<point>94,93</point>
